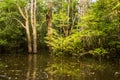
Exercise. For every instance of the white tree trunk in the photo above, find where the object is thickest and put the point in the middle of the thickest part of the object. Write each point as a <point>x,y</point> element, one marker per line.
<point>25,26</point>
<point>33,24</point>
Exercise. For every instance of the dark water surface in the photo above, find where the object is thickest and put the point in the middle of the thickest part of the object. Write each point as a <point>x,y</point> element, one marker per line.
<point>45,67</point>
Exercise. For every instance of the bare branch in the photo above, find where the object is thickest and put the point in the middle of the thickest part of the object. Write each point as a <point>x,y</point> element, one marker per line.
<point>26,12</point>
<point>73,22</point>
<point>20,10</point>
<point>20,22</point>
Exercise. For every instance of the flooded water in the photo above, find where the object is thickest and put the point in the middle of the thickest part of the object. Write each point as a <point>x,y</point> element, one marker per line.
<point>46,67</point>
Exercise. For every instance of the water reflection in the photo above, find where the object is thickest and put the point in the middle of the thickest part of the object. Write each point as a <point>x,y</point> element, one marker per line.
<point>45,67</point>
<point>29,66</point>
<point>71,69</point>
<point>32,67</point>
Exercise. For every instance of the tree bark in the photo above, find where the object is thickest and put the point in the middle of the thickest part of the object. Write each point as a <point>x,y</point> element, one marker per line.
<point>68,14</point>
<point>49,21</point>
<point>33,24</point>
<point>28,37</point>
<point>28,31</point>
<point>25,26</point>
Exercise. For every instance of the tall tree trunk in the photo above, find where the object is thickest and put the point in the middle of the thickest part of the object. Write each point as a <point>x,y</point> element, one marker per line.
<point>28,31</point>
<point>68,14</point>
<point>34,30</point>
<point>49,20</point>
<point>25,26</point>
<point>28,37</point>
<point>33,24</point>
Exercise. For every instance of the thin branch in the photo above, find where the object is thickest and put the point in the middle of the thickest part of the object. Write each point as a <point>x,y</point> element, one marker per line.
<point>73,22</point>
<point>20,10</point>
<point>26,12</point>
<point>20,22</point>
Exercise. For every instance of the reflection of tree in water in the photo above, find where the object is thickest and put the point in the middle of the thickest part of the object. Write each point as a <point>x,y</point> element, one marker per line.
<point>63,70</point>
<point>32,67</point>
<point>43,67</point>
<point>34,72</point>
<point>29,66</point>
<point>83,70</point>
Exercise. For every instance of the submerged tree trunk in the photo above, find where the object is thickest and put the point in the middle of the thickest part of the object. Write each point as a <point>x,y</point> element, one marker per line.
<point>34,30</point>
<point>33,24</point>
<point>25,26</point>
<point>28,37</point>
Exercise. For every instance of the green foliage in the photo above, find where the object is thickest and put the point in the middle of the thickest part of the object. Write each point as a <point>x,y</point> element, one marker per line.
<point>103,18</point>
<point>98,51</point>
<point>11,33</point>
<point>96,32</point>
<point>3,42</point>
